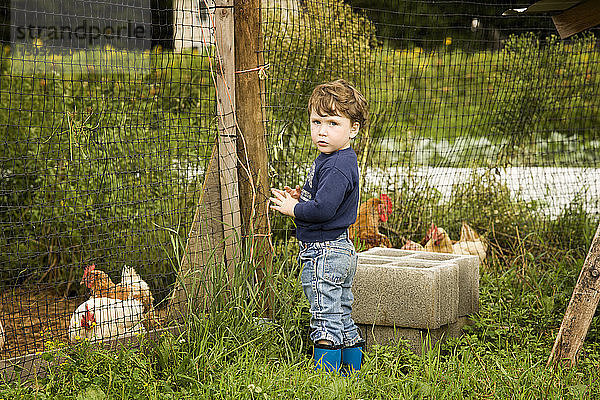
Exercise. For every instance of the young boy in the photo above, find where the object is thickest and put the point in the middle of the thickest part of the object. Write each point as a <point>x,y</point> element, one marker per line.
<point>323,210</point>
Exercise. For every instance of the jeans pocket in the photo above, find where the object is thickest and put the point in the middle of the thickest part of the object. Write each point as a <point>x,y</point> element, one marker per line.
<point>307,257</point>
<point>337,263</point>
<point>353,265</point>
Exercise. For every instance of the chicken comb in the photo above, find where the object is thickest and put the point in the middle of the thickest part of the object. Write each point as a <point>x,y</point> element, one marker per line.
<point>388,202</point>
<point>88,269</point>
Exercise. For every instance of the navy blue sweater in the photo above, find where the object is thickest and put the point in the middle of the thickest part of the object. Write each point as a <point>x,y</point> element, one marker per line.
<point>329,199</point>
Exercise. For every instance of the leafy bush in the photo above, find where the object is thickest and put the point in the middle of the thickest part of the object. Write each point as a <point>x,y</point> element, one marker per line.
<point>96,164</point>
<point>543,87</point>
<point>319,41</point>
<point>488,205</point>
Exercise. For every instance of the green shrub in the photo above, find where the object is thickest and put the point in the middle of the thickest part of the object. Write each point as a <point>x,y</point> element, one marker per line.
<point>97,163</point>
<point>543,87</point>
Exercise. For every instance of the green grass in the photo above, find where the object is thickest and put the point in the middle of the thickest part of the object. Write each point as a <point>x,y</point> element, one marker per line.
<point>226,354</point>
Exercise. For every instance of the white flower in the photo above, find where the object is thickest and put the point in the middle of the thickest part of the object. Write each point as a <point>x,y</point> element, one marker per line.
<point>254,389</point>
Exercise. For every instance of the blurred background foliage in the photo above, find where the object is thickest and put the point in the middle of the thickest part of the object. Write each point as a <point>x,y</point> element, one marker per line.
<point>427,23</point>
<point>453,87</point>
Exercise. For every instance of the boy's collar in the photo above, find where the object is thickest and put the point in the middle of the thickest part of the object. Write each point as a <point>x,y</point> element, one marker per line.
<point>335,152</point>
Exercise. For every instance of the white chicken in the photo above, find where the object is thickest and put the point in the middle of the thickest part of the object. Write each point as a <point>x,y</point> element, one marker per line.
<point>131,286</point>
<point>137,286</point>
<point>102,318</point>
<point>410,245</point>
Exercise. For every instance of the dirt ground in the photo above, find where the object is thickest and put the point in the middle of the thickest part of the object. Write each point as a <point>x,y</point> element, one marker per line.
<point>33,317</point>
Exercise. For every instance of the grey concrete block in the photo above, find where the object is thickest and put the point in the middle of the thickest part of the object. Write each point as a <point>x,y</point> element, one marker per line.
<point>417,339</point>
<point>468,275</point>
<point>387,252</point>
<point>405,292</point>
<point>468,278</point>
<point>374,260</point>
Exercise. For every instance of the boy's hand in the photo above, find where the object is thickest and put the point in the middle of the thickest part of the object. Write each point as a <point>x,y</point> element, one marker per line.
<point>283,202</point>
<point>295,193</point>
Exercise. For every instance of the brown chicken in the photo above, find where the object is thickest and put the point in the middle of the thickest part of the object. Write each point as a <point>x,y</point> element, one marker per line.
<point>131,286</point>
<point>370,215</point>
<point>469,244</point>
<point>438,240</point>
<point>410,245</point>
<point>467,233</point>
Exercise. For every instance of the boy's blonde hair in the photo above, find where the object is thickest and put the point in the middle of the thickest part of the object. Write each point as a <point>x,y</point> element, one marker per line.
<point>342,99</point>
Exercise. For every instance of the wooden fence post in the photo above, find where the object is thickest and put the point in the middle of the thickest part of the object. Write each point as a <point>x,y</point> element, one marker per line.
<point>226,106</point>
<point>581,308</point>
<point>252,148</point>
<point>205,248</point>
<point>215,234</point>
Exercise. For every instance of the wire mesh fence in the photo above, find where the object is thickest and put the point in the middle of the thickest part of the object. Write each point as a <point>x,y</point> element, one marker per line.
<point>110,118</point>
<point>106,136</point>
<point>475,116</point>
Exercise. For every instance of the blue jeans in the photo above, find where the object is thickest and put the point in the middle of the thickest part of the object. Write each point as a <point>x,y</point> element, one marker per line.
<point>328,269</point>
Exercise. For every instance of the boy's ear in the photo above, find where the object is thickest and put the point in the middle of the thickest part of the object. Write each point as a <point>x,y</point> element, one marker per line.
<point>354,129</point>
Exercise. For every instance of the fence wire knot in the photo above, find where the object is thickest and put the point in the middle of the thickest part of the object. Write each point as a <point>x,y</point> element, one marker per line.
<point>262,71</point>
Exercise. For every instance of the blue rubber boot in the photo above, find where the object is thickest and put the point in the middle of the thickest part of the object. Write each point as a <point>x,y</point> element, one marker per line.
<point>352,358</point>
<point>327,358</point>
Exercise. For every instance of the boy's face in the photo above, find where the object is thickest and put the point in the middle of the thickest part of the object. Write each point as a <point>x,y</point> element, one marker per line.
<point>331,133</point>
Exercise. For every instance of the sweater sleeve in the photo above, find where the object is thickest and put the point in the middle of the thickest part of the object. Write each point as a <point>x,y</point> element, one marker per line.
<point>328,198</point>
